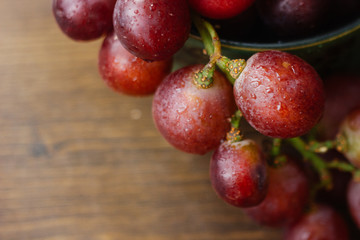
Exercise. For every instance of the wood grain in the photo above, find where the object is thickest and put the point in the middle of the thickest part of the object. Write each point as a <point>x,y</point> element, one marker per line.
<point>78,161</point>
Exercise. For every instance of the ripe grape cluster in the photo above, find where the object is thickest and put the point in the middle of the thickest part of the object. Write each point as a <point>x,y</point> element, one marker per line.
<point>202,108</point>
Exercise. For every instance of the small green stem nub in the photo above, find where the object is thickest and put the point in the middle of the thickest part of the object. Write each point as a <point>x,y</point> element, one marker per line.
<point>234,135</point>
<point>204,78</point>
<point>341,143</point>
<point>231,67</point>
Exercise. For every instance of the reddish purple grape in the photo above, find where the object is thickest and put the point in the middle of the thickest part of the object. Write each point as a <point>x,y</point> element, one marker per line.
<point>128,74</point>
<point>279,94</point>
<point>342,95</point>
<point>84,19</point>
<point>152,29</point>
<point>350,133</point>
<point>286,198</point>
<point>293,17</point>
<point>193,119</point>
<point>353,199</point>
<point>238,173</point>
<point>321,223</point>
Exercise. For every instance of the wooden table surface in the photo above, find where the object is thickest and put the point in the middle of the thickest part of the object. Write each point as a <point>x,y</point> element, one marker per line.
<point>78,161</point>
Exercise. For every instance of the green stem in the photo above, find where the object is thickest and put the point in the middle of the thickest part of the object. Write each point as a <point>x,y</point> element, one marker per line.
<point>276,146</point>
<point>214,40</point>
<point>345,167</point>
<point>204,34</point>
<point>234,135</point>
<point>204,77</point>
<point>276,159</point>
<point>317,162</point>
<point>321,147</point>
<point>212,44</point>
<point>235,119</point>
<point>232,68</point>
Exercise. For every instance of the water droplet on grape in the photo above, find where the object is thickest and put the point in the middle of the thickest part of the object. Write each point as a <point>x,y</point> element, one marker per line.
<point>269,90</point>
<point>152,7</point>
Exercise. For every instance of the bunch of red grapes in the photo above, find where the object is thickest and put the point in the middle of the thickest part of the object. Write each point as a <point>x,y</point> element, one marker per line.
<point>280,181</point>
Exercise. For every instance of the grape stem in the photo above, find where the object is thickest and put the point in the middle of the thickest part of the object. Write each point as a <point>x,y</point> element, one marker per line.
<point>309,152</point>
<point>317,162</point>
<point>212,44</point>
<point>321,147</point>
<point>234,135</point>
<point>276,159</point>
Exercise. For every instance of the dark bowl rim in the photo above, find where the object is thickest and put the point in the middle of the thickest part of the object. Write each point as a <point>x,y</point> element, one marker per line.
<point>295,44</point>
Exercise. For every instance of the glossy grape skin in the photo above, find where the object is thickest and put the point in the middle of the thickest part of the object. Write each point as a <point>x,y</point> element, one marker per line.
<point>125,73</point>
<point>152,29</point>
<point>353,199</point>
<point>238,173</point>
<point>84,19</point>
<point>220,9</point>
<point>321,223</point>
<point>350,133</point>
<point>293,17</point>
<point>192,119</point>
<point>342,95</point>
<point>286,198</point>
<point>279,94</point>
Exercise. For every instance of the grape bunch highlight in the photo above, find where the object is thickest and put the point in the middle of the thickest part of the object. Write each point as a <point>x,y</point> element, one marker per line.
<point>277,178</point>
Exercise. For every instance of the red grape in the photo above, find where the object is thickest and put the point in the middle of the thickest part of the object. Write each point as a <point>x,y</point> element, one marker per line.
<point>279,94</point>
<point>342,95</point>
<point>322,223</point>
<point>152,29</point>
<point>220,9</point>
<point>128,74</point>
<point>353,198</point>
<point>286,198</point>
<point>192,119</point>
<point>293,17</point>
<point>350,133</point>
<point>84,19</point>
<point>238,173</point>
